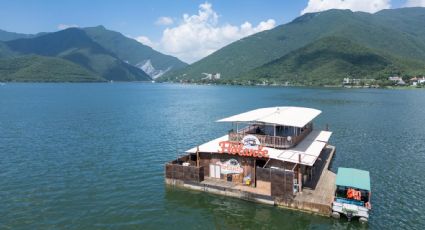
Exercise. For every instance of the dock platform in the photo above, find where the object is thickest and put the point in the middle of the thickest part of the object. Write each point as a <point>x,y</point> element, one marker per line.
<point>319,198</point>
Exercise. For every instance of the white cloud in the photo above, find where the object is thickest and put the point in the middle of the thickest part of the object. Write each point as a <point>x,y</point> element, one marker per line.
<point>199,35</point>
<point>370,6</point>
<point>145,41</point>
<point>412,3</point>
<point>66,26</point>
<point>164,21</point>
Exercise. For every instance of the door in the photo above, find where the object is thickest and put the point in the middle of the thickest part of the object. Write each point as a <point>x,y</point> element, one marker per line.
<point>215,171</point>
<point>212,170</point>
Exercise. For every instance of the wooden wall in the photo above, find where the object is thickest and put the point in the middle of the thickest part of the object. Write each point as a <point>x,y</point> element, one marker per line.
<point>211,158</point>
<point>282,182</point>
<point>184,173</point>
<point>204,161</point>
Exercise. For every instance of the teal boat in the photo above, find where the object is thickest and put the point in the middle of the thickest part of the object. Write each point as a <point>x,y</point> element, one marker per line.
<point>352,194</point>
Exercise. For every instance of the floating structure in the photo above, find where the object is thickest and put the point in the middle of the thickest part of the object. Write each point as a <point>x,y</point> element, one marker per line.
<point>352,194</point>
<point>271,155</point>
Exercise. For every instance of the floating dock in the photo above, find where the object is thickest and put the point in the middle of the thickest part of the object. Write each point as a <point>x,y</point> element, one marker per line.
<point>277,159</point>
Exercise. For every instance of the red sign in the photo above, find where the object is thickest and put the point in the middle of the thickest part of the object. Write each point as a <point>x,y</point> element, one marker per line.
<point>236,148</point>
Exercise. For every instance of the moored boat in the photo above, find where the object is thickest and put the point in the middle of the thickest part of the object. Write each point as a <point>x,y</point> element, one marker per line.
<point>352,194</point>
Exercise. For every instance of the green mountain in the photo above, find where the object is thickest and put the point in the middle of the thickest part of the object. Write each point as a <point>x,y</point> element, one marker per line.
<point>396,33</point>
<point>5,51</point>
<point>152,62</point>
<point>76,46</point>
<point>33,68</point>
<point>7,36</point>
<point>329,60</point>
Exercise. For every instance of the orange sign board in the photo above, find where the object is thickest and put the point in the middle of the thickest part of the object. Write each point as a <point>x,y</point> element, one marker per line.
<point>236,148</point>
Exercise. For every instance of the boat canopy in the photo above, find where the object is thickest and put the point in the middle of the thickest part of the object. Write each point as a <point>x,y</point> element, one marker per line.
<point>284,115</point>
<point>354,178</point>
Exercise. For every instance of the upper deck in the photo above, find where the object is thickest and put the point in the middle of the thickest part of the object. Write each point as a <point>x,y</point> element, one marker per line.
<point>283,137</point>
<point>277,127</point>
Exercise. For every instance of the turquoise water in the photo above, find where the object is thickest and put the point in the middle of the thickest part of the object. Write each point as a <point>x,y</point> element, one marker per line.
<point>90,156</point>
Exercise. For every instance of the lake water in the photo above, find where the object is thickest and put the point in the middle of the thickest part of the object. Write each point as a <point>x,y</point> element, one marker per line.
<point>91,156</point>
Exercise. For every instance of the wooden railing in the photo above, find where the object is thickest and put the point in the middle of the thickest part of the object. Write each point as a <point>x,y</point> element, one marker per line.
<point>271,141</point>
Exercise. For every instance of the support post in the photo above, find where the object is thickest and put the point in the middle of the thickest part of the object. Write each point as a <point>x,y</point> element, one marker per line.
<point>312,172</point>
<point>300,176</point>
<point>237,131</point>
<point>255,173</point>
<point>197,156</point>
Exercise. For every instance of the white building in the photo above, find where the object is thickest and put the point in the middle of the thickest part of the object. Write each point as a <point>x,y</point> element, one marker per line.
<point>397,80</point>
<point>210,76</point>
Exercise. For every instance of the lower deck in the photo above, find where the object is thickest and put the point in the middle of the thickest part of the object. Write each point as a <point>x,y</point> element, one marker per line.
<point>270,186</point>
<point>321,197</point>
<point>263,189</point>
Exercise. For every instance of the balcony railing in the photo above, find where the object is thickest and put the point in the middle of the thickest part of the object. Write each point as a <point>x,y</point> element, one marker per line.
<point>271,141</point>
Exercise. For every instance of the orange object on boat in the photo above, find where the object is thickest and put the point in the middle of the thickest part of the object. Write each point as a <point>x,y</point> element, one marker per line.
<point>350,193</point>
<point>353,194</point>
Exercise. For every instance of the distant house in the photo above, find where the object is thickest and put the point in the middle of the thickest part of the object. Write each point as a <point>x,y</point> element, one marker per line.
<point>413,81</point>
<point>356,81</point>
<point>417,81</point>
<point>210,76</point>
<point>351,81</point>
<point>397,80</point>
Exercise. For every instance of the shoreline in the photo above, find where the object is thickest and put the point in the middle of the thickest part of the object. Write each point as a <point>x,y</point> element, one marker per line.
<point>299,86</point>
<point>216,84</point>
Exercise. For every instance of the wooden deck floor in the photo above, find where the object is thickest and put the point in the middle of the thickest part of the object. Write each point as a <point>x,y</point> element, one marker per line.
<point>323,194</point>
<point>324,190</point>
<point>261,190</point>
<point>217,182</point>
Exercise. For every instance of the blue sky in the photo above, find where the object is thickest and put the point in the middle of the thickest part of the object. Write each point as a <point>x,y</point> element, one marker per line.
<point>133,17</point>
<point>225,20</point>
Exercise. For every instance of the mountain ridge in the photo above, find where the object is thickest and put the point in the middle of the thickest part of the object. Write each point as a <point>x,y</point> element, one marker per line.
<point>380,31</point>
<point>75,45</point>
<point>7,36</point>
<point>327,61</point>
<point>103,53</point>
<point>133,51</point>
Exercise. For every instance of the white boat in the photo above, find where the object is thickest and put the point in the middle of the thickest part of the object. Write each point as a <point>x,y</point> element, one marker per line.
<point>352,194</point>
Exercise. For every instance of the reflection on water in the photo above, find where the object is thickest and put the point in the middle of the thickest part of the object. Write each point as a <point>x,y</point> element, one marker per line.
<point>233,213</point>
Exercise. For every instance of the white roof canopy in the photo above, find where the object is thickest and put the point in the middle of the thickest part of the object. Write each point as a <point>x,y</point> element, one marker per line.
<point>309,148</point>
<point>286,116</point>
